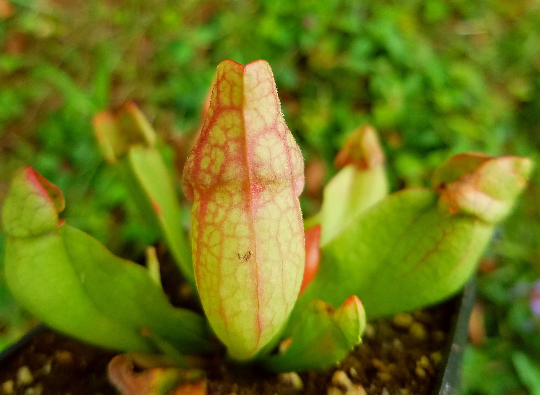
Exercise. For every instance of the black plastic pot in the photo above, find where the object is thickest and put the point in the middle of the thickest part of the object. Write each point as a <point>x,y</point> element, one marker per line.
<point>449,378</point>
<point>23,341</point>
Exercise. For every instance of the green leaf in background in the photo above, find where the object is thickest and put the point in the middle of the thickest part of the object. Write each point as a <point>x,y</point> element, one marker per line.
<point>528,371</point>
<point>127,141</point>
<point>72,93</point>
<point>488,374</point>
<point>359,184</point>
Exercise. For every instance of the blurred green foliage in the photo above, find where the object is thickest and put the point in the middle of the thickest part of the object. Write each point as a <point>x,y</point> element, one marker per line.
<point>434,77</point>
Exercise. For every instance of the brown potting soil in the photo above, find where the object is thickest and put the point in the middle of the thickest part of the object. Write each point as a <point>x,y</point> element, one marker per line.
<point>399,355</point>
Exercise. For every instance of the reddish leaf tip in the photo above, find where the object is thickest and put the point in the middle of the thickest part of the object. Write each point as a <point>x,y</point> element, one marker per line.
<point>353,300</point>
<point>103,116</point>
<point>157,208</point>
<point>362,149</point>
<point>46,189</point>
<point>481,185</point>
<point>313,255</point>
<point>130,106</point>
<point>145,331</point>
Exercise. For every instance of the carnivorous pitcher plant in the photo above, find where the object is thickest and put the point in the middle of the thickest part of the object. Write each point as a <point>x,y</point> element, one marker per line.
<point>275,292</point>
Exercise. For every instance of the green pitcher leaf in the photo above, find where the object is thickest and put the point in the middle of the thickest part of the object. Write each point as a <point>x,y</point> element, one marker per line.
<point>149,182</point>
<point>117,133</point>
<point>73,283</point>
<point>359,184</point>
<point>244,176</point>
<point>38,271</point>
<point>32,206</point>
<point>414,248</point>
<point>321,337</point>
<point>480,185</point>
<point>127,140</point>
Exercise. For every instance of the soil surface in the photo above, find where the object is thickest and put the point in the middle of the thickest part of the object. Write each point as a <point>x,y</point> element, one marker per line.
<point>399,355</point>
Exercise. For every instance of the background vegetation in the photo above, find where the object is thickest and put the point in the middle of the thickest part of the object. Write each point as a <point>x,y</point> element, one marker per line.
<point>435,77</point>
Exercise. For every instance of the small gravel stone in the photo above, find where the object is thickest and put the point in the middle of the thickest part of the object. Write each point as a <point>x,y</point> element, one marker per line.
<point>423,362</point>
<point>398,345</point>
<point>63,357</point>
<point>418,331</point>
<point>420,372</point>
<point>8,387</point>
<point>403,320</point>
<point>379,364</point>
<point>384,376</point>
<point>436,357</point>
<point>369,332</point>
<point>342,385</point>
<point>334,391</point>
<point>46,369</point>
<point>354,390</point>
<point>37,390</point>
<point>340,379</point>
<point>386,347</point>
<point>24,376</point>
<point>385,391</point>
<point>359,390</point>
<point>293,379</point>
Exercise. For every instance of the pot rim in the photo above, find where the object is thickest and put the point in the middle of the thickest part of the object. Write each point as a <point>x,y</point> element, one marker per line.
<point>449,379</point>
